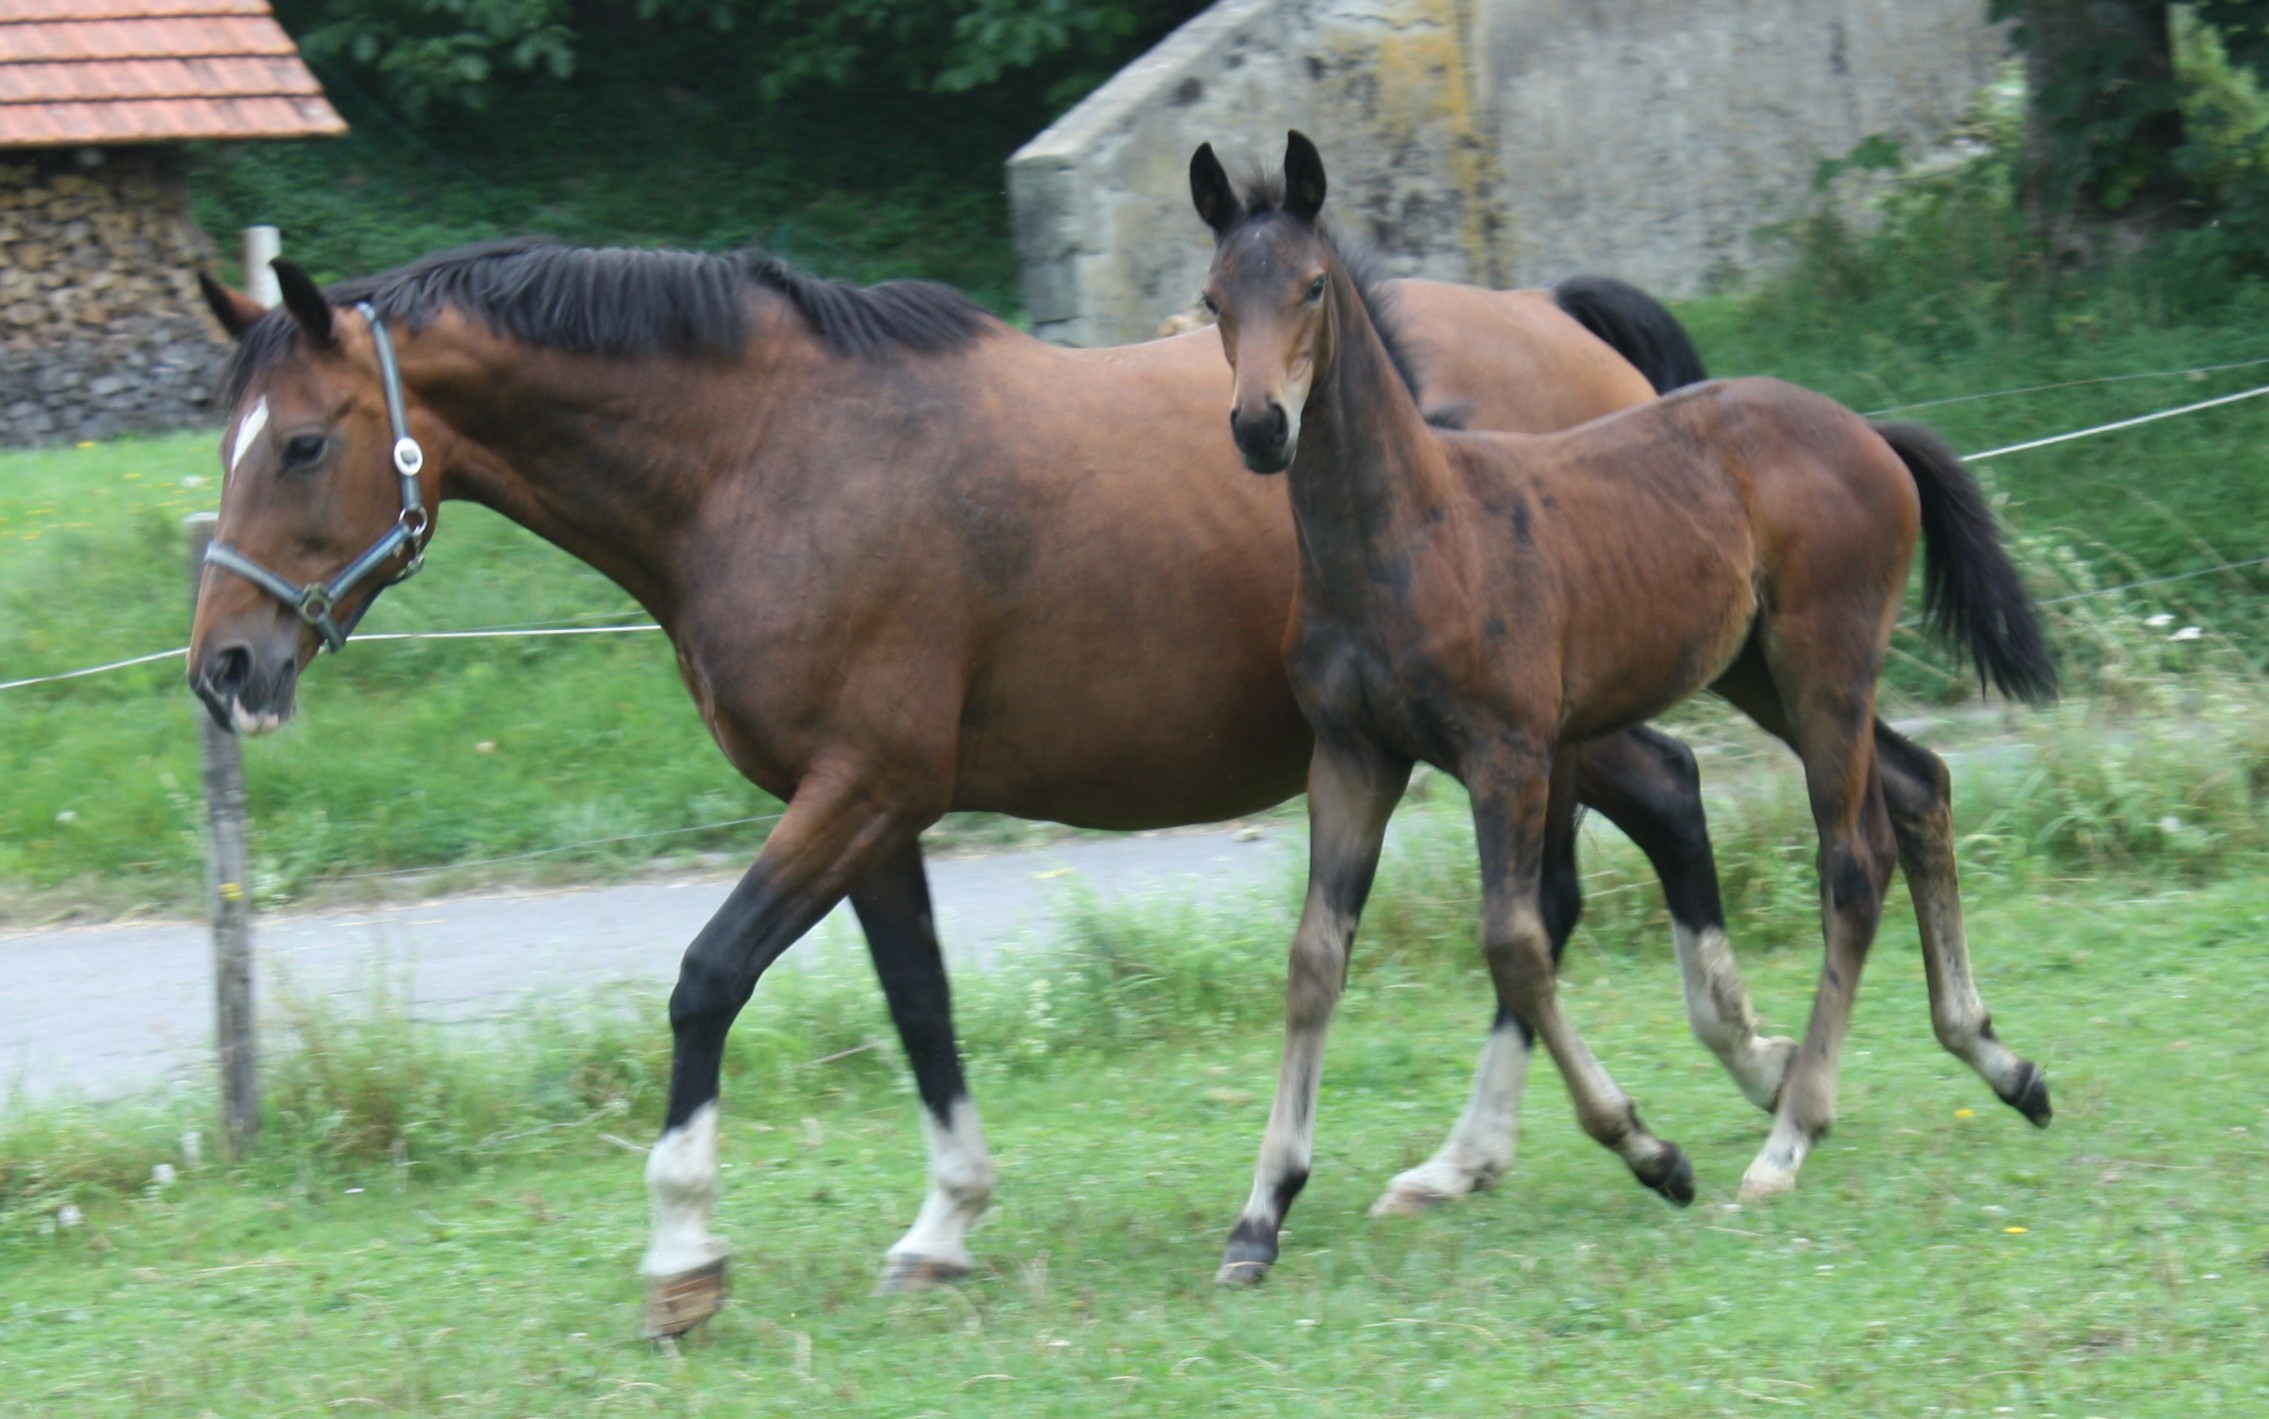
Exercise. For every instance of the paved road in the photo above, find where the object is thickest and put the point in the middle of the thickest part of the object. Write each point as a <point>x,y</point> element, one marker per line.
<point>109,1010</point>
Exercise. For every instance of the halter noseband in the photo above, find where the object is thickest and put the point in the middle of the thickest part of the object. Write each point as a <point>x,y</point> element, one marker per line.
<point>317,600</point>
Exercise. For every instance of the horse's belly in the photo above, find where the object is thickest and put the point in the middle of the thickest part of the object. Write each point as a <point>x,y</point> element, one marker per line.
<point>1628,672</point>
<point>1095,746</point>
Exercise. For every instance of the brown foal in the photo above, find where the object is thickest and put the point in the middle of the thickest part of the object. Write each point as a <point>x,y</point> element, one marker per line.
<point>1488,603</point>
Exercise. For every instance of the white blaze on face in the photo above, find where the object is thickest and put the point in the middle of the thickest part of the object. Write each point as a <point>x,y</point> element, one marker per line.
<point>247,431</point>
<point>681,1181</point>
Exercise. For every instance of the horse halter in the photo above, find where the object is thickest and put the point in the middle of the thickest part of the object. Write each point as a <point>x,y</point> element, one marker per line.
<point>317,600</point>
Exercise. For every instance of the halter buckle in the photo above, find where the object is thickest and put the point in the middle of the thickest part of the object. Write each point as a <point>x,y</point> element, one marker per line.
<point>409,458</point>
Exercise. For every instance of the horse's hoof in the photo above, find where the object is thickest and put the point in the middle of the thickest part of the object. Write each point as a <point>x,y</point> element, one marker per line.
<point>918,1273</point>
<point>1763,1181</point>
<point>1408,1202</point>
<point>676,1304</point>
<point>1241,1273</point>
<point>1670,1174</point>
<point>2031,1097</point>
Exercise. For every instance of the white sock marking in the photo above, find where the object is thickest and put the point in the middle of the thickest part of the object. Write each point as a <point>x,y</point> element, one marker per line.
<point>1479,1149</point>
<point>681,1181</point>
<point>247,431</point>
<point>1718,1009</point>
<point>961,1187</point>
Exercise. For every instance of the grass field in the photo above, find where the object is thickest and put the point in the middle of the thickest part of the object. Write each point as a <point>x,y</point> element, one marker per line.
<point>1940,1258</point>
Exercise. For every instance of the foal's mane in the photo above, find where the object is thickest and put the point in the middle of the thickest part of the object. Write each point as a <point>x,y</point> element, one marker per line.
<point>1262,196</point>
<point>625,302</point>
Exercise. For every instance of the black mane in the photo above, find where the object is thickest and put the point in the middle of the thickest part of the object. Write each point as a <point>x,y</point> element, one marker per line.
<point>1262,196</point>
<point>622,302</point>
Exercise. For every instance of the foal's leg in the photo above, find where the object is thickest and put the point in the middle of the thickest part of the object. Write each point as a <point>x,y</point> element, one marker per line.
<point>830,836</point>
<point>893,904</point>
<point>1524,819</point>
<point>1352,790</point>
<point>1822,700</point>
<point>1646,783</point>
<point>1479,1150</point>
<point>1919,794</point>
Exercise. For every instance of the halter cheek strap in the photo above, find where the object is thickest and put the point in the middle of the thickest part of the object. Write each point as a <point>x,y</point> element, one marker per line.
<point>318,601</point>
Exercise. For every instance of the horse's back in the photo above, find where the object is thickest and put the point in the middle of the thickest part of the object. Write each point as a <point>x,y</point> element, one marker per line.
<point>1509,360</point>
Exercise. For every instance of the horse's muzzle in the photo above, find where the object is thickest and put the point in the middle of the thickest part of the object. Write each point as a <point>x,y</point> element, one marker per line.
<point>1266,442</point>
<point>244,692</point>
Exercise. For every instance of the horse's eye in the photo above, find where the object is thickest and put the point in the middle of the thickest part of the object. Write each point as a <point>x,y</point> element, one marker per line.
<point>1206,304</point>
<point>1316,289</point>
<point>302,450</point>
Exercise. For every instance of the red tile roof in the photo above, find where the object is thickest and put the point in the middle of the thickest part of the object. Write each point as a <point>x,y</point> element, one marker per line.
<point>144,71</point>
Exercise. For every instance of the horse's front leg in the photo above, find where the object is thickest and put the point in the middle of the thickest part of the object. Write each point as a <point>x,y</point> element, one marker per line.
<point>893,904</point>
<point>831,835</point>
<point>1352,791</point>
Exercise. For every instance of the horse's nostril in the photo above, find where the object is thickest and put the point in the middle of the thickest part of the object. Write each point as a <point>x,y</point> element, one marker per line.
<point>230,670</point>
<point>1278,423</point>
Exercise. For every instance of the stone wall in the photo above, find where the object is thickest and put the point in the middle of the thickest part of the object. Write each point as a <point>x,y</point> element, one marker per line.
<point>1494,141</point>
<point>102,331</point>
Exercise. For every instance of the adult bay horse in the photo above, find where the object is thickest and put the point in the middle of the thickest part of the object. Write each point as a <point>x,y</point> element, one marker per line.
<point>1488,603</point>
<point>911,561</point>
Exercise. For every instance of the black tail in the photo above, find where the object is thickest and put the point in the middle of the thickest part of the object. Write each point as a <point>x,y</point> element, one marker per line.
<point>1971,593</point>
<point>1641,328</point>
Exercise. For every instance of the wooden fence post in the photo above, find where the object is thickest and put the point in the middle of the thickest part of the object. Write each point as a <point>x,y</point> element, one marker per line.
<point>228,900</point>
<point>259,246</point>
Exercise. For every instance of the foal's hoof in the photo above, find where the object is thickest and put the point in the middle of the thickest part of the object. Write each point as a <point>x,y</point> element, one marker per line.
<point>1399,1201</point>
<point>1669,1174</point>
<point>1242,1273</point>
<point>2031,1096</point>
<point>1249,1255</point>
<point>676,1304</point>
<point>1417,1191</point>
<point>1763,1181</point>
<point>918,1273</point>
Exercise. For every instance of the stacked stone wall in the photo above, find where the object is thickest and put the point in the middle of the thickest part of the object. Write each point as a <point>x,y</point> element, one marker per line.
<point>102,331</point>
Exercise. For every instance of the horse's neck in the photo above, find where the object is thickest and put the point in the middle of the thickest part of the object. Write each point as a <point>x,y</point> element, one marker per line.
<point>608,462</point>
<point>1369,470</point>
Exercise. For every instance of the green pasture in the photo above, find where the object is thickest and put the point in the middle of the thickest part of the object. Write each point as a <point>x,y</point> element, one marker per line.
<point>408,754</point>
<point>443,1224</point>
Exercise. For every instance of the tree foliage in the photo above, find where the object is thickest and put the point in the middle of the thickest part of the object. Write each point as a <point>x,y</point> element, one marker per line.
<point>427,53</point>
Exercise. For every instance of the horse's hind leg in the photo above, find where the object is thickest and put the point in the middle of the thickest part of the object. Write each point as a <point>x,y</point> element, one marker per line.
<point>893,904</point>
<point>1646,784</point>
<point>831,835</point>
<point>1524,818</point>
<point>1919,794</point>
<point>1352,790</point>
<point>1820,696</point>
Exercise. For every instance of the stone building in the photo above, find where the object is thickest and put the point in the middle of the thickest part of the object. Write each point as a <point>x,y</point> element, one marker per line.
<point>101,328</point>
<point>1495,141</point>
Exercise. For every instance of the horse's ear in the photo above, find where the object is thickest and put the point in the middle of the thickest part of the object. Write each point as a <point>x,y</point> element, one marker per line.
<point>1210,190</point>
<point>304,299</point>
<point>1303,177</point>
<point>235,310</point>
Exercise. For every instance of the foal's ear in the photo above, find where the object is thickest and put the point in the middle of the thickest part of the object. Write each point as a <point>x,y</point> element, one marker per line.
<point>1209,189</point>
<point>235,310</point>
<point>304,299</point>
<point>1303,177</point>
